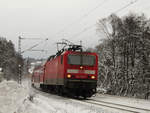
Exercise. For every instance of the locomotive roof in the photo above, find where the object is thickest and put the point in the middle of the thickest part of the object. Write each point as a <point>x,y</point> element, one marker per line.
<point>71,49</point>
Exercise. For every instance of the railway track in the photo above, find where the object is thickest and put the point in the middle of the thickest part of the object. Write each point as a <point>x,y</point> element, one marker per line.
<point>121,107</point>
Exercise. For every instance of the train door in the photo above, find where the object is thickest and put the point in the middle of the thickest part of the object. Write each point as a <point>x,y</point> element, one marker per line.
<point>59,70</point>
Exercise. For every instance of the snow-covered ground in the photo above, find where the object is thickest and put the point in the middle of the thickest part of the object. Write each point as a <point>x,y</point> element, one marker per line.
<point>134,102</point>
<point>14,98</point>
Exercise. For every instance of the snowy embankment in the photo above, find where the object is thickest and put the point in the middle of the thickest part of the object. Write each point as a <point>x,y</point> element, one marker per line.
<point>12,95</point>
<point>15,98</point>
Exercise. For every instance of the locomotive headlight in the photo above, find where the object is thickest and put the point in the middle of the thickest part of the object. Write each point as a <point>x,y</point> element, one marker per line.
<point>81,67</point>
<point>68,76</point>
<point>92,77</point>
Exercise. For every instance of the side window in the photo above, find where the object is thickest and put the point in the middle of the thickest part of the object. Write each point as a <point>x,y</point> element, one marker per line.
<point>61,59</point>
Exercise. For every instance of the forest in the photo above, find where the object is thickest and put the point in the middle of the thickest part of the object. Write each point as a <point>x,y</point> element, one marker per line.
<point>124,55</point>
<point>9,59</point>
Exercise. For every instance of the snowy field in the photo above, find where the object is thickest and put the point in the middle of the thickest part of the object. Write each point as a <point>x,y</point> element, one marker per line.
<point>14,98</point>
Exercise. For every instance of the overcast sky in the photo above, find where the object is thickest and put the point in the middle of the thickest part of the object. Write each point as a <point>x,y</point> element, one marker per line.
<point>57,19</point>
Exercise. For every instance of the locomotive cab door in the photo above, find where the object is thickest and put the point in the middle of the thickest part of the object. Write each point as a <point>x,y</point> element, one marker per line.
<point>59,70</point>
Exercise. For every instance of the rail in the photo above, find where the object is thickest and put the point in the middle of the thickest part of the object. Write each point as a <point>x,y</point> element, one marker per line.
<point>117,106</point>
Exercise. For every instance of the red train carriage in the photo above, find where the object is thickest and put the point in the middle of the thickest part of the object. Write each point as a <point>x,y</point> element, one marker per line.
<point>71,71</point>
<point>37,77</point>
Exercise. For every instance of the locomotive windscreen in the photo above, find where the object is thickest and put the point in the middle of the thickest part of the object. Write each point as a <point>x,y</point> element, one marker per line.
<point>81,59</point>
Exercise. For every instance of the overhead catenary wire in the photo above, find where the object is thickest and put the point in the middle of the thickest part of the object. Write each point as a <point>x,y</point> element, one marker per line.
<point>84,30</point>
<point>83,16</point>
<point>124,7</point>
<point>30,48</point>
<point>117,11</point>
<point>87,14</point>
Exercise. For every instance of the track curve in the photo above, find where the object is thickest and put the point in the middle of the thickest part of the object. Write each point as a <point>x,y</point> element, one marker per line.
<point>117,106</point>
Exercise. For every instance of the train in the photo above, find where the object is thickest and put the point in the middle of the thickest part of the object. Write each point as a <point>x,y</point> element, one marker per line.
<point>71,71</point>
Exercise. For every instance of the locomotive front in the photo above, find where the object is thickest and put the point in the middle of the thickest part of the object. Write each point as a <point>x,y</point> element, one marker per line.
<point>81,70</point>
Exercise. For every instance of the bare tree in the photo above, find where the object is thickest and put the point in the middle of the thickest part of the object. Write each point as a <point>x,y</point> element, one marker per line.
<point>125,54</point>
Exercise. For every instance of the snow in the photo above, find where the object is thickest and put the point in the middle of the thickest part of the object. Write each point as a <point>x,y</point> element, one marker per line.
<point>11,96</point>
<point>47,103</point>
<point>15,98</point>
<point>134,102</point>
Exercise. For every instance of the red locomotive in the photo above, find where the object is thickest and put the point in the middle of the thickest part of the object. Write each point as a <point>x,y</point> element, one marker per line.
<point>71,71</point>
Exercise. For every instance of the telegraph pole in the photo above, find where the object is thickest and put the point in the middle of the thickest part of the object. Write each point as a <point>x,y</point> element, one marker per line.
<point>19,65</point>
<point>21,52</point>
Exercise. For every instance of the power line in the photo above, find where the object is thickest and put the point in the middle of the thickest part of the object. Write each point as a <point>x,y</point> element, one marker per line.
<point>89,27</point>
<point>83,16</point>
<point>84,30</point>
<point>131,3</point>
<point>30,48</point>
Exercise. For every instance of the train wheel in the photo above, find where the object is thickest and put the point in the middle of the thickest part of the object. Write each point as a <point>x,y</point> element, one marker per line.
<point>41,86</point>
<point>60,91</point>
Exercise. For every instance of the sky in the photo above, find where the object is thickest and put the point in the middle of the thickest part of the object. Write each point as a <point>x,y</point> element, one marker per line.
<point>59,19</point>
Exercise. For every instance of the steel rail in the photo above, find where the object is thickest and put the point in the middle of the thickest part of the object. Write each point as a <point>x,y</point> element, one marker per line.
<point>122,105</point>
<point>117,106</point>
